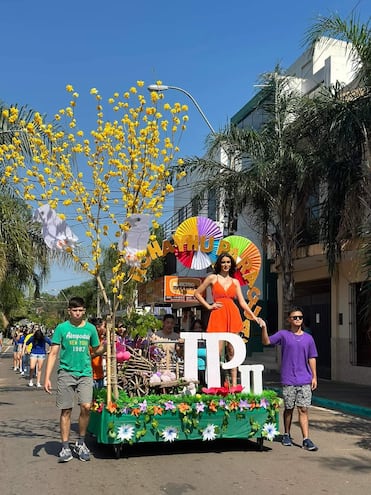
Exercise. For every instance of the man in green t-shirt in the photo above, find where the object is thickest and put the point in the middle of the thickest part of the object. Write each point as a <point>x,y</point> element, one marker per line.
<point>71,340</point>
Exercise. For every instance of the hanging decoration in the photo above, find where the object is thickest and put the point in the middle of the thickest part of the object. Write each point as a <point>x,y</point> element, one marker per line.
<point>197,239</point>
<point>55,231</point>
<point>135,239</point>
<point>247,257</point>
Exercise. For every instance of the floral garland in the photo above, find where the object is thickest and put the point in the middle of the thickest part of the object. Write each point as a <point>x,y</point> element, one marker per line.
<point>189,410</point>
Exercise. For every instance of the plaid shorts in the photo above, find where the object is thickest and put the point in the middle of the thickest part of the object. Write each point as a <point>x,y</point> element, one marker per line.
<point>297,395</point>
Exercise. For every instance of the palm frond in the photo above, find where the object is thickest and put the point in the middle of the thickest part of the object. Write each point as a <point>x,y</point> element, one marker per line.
<point>356,34</point>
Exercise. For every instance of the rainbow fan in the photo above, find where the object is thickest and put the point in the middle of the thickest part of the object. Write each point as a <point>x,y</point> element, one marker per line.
<point>247,257</point>
<point>203,235</point>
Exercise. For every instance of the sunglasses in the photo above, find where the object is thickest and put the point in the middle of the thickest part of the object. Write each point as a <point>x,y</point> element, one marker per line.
<point>296,317</point>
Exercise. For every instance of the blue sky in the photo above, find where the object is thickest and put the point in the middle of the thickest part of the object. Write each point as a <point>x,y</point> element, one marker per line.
<point>214,50</point>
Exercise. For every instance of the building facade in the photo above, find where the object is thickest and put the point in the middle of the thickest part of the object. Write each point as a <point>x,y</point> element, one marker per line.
<point>330,303</point>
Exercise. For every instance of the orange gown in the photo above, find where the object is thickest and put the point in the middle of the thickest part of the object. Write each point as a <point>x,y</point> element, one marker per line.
<point>228,317</point>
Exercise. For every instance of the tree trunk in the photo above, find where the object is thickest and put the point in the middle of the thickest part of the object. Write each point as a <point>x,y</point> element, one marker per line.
<point>286,250</point>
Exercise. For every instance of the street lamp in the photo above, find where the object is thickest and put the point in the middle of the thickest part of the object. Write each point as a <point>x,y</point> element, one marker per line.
<point>163,87</point>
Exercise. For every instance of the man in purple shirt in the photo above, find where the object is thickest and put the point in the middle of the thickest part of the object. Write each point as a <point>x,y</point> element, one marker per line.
<point>298,373</point>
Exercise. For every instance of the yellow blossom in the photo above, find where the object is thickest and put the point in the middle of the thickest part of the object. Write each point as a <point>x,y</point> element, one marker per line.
<point>127,168</point>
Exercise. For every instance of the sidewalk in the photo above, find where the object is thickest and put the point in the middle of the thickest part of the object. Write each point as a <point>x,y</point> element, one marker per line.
<point>339,396</point>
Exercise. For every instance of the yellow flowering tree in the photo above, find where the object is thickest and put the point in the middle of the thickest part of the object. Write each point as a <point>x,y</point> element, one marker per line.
<point>124,166</point>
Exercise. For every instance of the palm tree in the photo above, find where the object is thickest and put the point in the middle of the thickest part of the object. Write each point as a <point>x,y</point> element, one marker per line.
<point>269,176</point>
<point>23,253</point>
<point>303,143</point>
<point>346,149</point>
<point>24,257</point>
<point>334,128</point>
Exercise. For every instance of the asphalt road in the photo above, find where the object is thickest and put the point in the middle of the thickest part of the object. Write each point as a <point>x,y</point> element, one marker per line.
<point>29,445</point>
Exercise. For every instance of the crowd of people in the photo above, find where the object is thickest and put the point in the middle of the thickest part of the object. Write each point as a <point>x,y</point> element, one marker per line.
<point>31,345</point>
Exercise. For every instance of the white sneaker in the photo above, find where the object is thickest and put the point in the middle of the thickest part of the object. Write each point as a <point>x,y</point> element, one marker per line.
<point>65,455</point>
<point>22,373</point>
<point>30,384</point>
<point>38,385</point>
<point>82,451</point>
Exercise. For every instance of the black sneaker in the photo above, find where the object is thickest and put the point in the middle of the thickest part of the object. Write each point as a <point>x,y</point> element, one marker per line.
<point>286,440</point>
<point>309,445</point>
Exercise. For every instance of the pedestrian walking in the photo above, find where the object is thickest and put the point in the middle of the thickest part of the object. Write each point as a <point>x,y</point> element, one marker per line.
<point>26,352</point>
<point>16,335</point>
<point>37,355</point>
<point>72,340</point>
<point>298,373</point>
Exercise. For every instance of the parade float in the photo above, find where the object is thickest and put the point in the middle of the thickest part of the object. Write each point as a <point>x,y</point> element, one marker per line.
<point>160,398</point>
<point>174,408</point>
<point>110,183</point>
<point>168,418</point>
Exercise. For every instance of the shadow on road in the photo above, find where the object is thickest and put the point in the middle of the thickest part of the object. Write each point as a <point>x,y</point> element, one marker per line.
<point>346,425</point>
<point>51,448</point>
<point>356,464</point>
<point>29,428</point>
<point>21,388</point>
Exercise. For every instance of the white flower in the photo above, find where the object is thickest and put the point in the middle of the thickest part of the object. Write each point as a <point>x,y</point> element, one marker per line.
<point>125,432</point>
<point>170,434</point>
<point>269,431</point>
<point>209,433</point>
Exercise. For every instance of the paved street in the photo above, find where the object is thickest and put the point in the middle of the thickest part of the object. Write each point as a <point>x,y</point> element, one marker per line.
<point>29,444</point>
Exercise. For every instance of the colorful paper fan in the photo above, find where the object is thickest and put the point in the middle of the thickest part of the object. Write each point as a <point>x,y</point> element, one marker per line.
<point>197,226</point>
<point>243,249</point>
<point>237,245</point>
<point>252,253</point>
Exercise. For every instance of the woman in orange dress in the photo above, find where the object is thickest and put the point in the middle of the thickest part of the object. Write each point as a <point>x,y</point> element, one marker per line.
<point>225,315</point>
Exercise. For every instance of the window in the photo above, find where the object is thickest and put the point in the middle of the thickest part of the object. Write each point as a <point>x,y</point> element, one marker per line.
<point>211,204</point>
<point>181,215</point>
<point>360,326</point>
<point>196,206</point>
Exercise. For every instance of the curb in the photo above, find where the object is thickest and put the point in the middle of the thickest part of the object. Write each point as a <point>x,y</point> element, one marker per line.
<point>344,407</point>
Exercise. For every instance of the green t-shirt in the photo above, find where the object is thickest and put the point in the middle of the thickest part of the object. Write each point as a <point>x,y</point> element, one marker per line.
<point>74,342</point>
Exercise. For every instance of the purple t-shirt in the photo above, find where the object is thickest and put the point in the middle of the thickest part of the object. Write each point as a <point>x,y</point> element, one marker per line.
<point>296,350</point>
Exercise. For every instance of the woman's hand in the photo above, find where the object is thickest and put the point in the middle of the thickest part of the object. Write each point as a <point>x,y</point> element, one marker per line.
<point>215,305</point>
<point>261,322</point>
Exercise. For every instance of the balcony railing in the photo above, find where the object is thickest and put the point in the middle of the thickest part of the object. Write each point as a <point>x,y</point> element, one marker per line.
<point>197,206</point>
<point>311,233</point>
<point>204,207</point>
